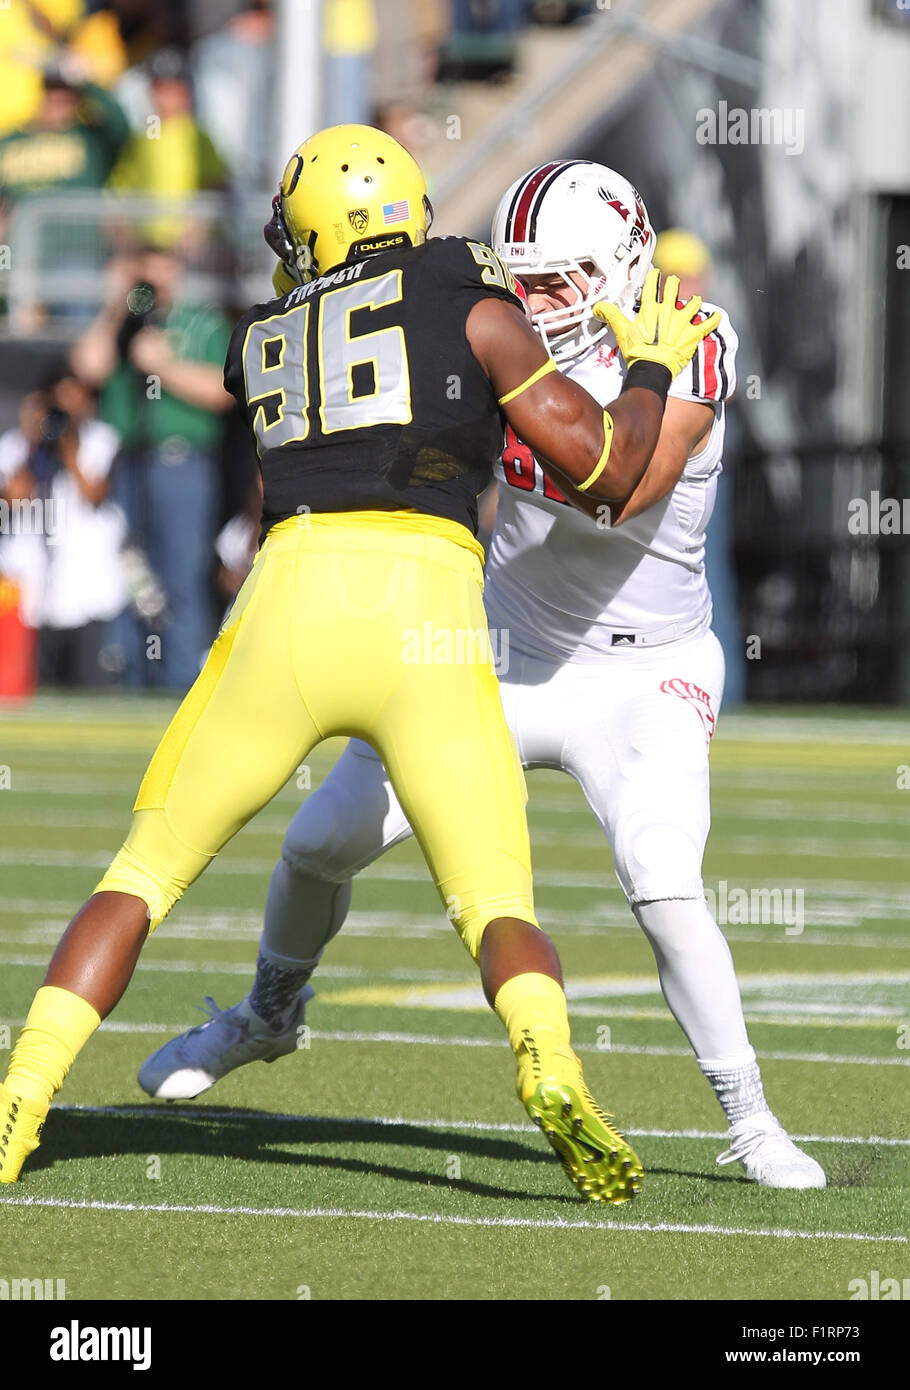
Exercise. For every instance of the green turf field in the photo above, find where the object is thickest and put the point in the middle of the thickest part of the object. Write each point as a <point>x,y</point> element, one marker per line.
<point>389,1158</point>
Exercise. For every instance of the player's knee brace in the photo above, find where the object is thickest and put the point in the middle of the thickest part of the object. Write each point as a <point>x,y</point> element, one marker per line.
<point>310,889</point>
<point>302,914</point>
<point>318,843</point>
<point>657,861</point>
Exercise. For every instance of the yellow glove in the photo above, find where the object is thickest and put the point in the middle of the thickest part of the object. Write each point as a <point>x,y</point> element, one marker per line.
<point>660,333</point>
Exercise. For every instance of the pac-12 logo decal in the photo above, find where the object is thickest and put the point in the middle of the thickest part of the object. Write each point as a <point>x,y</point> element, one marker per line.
<point>687,690</point>
<point>359,219</point>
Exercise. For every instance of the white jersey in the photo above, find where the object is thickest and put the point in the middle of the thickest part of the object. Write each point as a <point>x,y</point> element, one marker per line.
<point>567,589</point>
<point>69,569</point>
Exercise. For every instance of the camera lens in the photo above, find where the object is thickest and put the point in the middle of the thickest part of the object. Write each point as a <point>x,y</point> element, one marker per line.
<point>141,299</point>
<point>53,425</point>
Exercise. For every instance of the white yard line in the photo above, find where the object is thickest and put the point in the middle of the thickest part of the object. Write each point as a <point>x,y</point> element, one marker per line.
<point>431,1040</point>
<point>436,1219</point>
<point>434,1040</point>
<point>747,727</point>
<point>414,926</point>
<point>777,813</point>
<point>592,880</point>
<point>608,988</point>
<point>169,967</point>
<point>595,997</point>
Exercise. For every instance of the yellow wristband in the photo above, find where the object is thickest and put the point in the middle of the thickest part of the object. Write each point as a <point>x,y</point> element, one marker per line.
<point>605,454</point>
<point>541,371</point>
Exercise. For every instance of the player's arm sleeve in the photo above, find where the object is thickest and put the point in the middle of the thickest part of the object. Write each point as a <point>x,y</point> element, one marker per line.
<point>233,363</point>
<point>234,382</point>
<point>711,375</point>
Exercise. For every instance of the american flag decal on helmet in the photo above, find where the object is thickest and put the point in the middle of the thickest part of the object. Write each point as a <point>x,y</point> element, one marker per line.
<point>396,212</point>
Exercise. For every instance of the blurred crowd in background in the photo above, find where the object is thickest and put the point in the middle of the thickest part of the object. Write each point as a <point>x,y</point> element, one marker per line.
<point>127,482</point>
<point>177,98</point>
<point>140,144</point>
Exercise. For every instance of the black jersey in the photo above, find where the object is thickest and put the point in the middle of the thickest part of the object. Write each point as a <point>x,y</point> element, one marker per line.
<point>362,390</point>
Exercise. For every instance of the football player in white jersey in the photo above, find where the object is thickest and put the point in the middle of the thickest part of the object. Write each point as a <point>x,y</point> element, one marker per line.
<point>614,676</point>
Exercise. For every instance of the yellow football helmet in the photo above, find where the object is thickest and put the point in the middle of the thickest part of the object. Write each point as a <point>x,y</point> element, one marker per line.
<point>348,191</point>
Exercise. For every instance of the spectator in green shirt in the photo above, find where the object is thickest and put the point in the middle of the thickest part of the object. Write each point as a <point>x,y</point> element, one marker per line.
<point>73,142</point>
<point>157,362</point>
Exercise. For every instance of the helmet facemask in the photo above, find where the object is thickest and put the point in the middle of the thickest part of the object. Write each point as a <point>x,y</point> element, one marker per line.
<point>584,220</point>
<point>570,330</point>
<point>279,240</point>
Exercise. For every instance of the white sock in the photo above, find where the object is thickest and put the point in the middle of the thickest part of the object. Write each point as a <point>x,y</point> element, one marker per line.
<point>699,984</point>
<point>739,1089</point>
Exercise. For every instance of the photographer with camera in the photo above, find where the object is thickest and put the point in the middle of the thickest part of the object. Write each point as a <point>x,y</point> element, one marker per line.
<point>65,533</point>
<point>157,362</point>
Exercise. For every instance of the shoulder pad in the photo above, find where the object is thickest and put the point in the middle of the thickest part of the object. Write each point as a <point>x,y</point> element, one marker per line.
<point>711,375</point>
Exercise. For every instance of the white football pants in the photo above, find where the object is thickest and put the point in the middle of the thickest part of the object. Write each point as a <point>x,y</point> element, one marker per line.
<point>634,733</point>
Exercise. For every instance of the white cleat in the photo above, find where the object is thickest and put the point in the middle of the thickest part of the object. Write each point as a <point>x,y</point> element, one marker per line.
<point>188,1065</point>
<point>769,1156</point>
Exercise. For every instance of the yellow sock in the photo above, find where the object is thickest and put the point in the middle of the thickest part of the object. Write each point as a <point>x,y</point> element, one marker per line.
<point>533,1009</point>
<point>59,1024</point>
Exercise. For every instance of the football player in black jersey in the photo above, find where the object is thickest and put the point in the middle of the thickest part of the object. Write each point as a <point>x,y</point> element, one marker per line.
<point>376,386</point>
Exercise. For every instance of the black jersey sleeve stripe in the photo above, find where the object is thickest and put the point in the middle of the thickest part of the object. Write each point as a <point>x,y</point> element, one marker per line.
<point>721,369</point>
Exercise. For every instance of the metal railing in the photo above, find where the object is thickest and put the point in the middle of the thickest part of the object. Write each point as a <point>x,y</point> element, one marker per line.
<point>61,244</point>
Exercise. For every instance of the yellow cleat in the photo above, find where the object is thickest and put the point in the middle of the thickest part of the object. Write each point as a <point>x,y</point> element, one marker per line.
<point>21,1123</point>
<point>598,1161</point>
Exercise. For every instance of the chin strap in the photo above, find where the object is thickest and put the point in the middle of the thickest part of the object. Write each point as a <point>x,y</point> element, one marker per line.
<point>276,233</point>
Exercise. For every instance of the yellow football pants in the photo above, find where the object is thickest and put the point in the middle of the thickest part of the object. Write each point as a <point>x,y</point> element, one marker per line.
<point>366,624</point>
